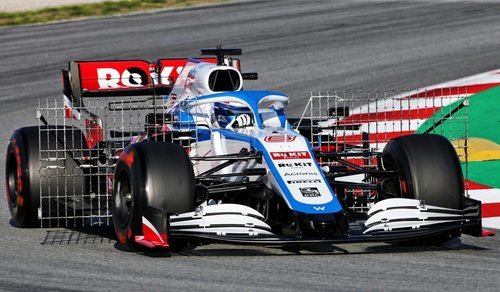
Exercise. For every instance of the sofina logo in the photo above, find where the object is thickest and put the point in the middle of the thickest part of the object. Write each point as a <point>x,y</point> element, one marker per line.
<point>290,155</point>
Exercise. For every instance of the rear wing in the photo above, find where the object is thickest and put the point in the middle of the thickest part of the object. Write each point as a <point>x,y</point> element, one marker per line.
<point>122,77</point>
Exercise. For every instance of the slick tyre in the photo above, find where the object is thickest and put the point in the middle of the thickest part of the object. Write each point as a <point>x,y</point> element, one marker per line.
<point>429,170</point>
<point>24,168</point>
<point>154,174</point>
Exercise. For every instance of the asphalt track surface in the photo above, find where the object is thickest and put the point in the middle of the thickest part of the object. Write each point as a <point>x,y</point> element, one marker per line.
<point>296,46</point>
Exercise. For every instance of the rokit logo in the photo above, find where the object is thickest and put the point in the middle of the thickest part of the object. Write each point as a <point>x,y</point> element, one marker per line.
<point>290,155</point>
<point>304,181</point>
<point>279,139</point>
<point>295,164</point>
<point>305,173</point>
<point>310,192</point>
<point>131,77</point>
<point>112,78</point>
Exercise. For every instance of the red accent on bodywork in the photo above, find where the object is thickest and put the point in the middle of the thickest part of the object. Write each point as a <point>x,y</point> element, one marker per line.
<point>127,158</point>
<point>490,210</point>
<point>403,187</point>
<point>404,114</point>
<point>94,133</point>
<point>151,239</point>
<point>455,90</point>
<point>68,114</point>
<point>487,232</point>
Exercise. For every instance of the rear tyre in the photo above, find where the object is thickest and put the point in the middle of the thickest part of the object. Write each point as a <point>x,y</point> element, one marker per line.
<point>154,174</point>
<point>23,167</point>
<point>429,170</point>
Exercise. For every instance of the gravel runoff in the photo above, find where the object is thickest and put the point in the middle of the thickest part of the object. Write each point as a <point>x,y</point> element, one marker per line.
<point>23,5</point>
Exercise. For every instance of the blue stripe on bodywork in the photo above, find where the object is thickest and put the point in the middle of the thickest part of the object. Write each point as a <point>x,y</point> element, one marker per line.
<point>331,207</point>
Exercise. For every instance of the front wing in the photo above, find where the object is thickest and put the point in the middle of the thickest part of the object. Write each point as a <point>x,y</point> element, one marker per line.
<point>391,220</point>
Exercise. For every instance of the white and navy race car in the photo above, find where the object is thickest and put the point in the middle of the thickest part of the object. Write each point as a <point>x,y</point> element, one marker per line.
<point>215,163</point>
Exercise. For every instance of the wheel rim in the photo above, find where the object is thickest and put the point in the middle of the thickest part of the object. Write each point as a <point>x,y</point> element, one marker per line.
<point>392,187</point>
<point>123,200</point>
<point>12,182</point>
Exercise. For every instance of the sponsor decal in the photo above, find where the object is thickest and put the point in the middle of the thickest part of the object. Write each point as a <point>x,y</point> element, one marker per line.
<point>130,77</point>
<point>295,164</point>
<point>290,155</point>
<point>304,181</point>
<point>172,68</point>
<point>310,192</point>
<point>300,173</point>
<point>102,75</point>
<point>113,74</point>
<point>279,139</point>
<point>322,208</point>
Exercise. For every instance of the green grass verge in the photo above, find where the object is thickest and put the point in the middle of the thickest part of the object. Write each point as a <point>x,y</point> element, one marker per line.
<point>484,122</point>
<point>94,9</point>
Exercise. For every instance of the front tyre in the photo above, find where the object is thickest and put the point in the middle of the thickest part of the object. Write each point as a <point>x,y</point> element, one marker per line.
<point>154,174</point>
<point>429,170</point>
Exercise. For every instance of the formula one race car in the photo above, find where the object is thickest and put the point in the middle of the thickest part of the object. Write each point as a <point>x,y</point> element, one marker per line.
<point>175,151</point>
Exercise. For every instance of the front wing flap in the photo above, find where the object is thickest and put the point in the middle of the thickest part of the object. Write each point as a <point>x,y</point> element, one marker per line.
<point>283,241</point>
<point>409,214</point>
<point>390,220</point>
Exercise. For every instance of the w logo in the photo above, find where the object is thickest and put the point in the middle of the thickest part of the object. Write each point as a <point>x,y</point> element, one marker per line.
<point>322,208</point>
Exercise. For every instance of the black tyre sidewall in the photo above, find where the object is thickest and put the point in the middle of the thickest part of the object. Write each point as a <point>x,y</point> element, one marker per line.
<point>430,168</point>
<point>24,149</point>
<point>126,234</point>
<point>161,176</point>
<point>28,150</point>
